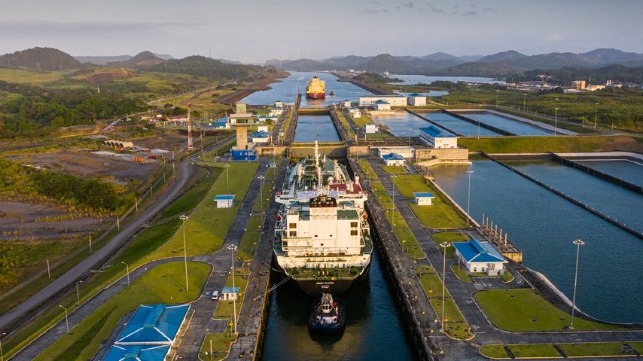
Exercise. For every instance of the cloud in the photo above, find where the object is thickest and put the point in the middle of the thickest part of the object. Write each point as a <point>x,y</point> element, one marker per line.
<point>409,4</point>
<point>489,9</point>
<point>435,10</point>
<point>470,13</point>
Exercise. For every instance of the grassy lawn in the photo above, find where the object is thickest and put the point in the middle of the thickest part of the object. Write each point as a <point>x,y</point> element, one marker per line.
<point>367,169</point>
<point>206,227</point>
<point>448,237</point>
<point>394,169</point>
<point>455,324</point>
<point>438,215</point>
<point>581,349</point>
<point>461,273</point>
<point>506,310</point>
<point>220,343</point>
<point>162,284</point>
<point>560,144</point>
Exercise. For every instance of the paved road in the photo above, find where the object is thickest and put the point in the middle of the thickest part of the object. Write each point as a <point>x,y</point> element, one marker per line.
<point>32,306</point>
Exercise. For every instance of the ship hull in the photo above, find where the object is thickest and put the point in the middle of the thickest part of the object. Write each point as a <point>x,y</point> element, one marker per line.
<point>316,287</point>
<point>315,95</point>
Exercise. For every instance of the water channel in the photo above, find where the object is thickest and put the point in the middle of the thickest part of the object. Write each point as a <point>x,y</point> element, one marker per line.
<point>316,127</point>
<point>543,225</point>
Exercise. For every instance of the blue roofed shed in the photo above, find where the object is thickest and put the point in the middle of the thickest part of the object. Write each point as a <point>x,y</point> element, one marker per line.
<point>224,200</point>
<point>222,123</point>
<point>480,257</point>
<point>229,293</point>
<point>438,138</point>
<point>393,159</point>
<point>423,198</point>
<point>153,325</point>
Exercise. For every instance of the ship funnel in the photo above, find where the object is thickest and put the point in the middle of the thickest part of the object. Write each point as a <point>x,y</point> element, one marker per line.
<point>356,179</point>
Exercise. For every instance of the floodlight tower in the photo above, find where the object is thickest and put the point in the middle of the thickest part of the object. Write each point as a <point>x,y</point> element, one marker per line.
<point>190,145</point>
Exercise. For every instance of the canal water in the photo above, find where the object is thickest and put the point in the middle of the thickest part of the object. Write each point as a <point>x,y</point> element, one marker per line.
<point>402,123</point>
<point>627,170</point>
<point>458,125</point>
<point>316,127</point>
<point>374,329</point>
<point>504,123</point>
<point>543,225</point>
<point>286,90</point>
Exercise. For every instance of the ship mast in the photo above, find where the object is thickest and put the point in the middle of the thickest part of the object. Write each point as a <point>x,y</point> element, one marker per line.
<point>319,173</point>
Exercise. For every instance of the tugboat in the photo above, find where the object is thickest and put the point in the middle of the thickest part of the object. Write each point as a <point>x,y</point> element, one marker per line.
<point>328,315</point>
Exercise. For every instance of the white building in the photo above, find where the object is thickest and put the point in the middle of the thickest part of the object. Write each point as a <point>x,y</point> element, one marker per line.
<point>405,151</point>
<point>355,113</point>
<point>393,100</point>
<point>229,293</point>
<point>393,159</point>
<point>224,200</point>
<point>437,138</point>
<point>416,100</point>
<point>260,136</point>
<point>423,198</point>
<point>382,105</point>
<point>480,257</point>
<point>370,128</point>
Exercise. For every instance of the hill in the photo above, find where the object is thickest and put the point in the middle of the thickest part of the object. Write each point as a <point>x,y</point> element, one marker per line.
<point>40,59</point>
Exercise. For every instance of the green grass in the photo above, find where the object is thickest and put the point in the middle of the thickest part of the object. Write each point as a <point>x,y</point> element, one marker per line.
<point>367,169</point>
<point>29,77</point>
<point>506,310</point>
<point>220,342</point>
<point>461,273</point>
<point>581,349</point>
<point>206,227</point>
<point>559,144</point>
<point>362,121</point>
<point>162,284</point>
<point>394,169</point>
<point>455,324</point>
<point>225,309</point>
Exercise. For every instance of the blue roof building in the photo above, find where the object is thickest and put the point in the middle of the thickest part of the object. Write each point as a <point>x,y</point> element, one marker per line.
<point>149,333</point>
<point>423,198</point>
<point>393,159</point>
<point>438,138</point>
<point>221,123</point>
<point>137,353</point>
<point>480,257</point>
<point>224,200</point>
<point>229,293</point>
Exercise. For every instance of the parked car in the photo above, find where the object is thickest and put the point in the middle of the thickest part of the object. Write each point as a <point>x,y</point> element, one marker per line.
<point>215,295</point>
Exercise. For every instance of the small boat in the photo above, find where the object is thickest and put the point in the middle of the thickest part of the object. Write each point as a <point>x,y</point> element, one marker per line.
<point>332,93</point>
<point>328,315</point>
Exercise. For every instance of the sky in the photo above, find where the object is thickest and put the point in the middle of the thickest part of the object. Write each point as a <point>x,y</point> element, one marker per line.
<point>253,31</point>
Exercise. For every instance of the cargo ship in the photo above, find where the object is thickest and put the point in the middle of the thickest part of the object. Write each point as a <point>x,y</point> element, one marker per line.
<point>316,88</point>
<point>322,236</point>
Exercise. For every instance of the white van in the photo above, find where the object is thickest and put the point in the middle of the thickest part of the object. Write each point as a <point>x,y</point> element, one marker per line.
<point>215,295</point>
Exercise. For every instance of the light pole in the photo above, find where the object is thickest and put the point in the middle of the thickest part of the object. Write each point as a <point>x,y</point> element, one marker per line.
<point>555,121</point>
<point>184,218</point>
<point>595,114</point>
<point>66,319</point>
<point>227,181</point>
<point>261,178</point>
<point>1,353</point>
<point>233,248</point>
<point>126,272</point>
<point>524,102</point>
<point>469,195</point>
<point>393,210</point>
<point>444,246</point>
<point>77,292</point>
<point>578,243</point>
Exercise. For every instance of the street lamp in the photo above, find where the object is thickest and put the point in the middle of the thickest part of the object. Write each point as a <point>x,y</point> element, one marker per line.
<point>578,243</point>
<point>524,102</point>
<point>66,319</point>
<point>444,246</point>
<point>469,195</point>
<point>126,272</point>
<point>233,248</point>
<point>184,218</point>
<point>595,114</point>
<point>227,181</point>
<point>555,121</point>
<point>393,176</point>
<point>77,292</point>
<point>261,178</point>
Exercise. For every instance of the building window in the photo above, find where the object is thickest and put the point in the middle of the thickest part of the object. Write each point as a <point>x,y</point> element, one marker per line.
<point>354,224</point>
<point>292,225</point>
<point>293,234</point>
<point>353,232</point>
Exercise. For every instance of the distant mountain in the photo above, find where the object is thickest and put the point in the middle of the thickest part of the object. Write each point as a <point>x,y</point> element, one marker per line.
<point>504,57</point>
<point>40,59</point>
<point>104,60</point>
<point>496,65</point>
<point>140,59</point>
<point>205,67</point>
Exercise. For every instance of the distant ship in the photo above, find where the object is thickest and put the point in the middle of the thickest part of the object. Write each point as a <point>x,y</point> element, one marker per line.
<point>322,237</point>
<point>316,88</point>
